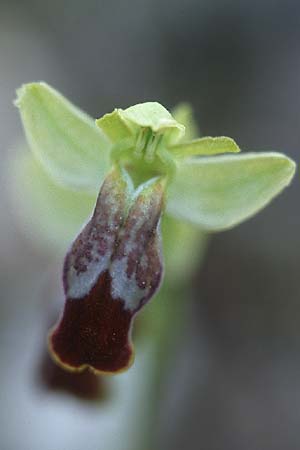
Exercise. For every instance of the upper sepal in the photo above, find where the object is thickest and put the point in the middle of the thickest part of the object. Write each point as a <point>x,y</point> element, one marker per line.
<point>127,123</point>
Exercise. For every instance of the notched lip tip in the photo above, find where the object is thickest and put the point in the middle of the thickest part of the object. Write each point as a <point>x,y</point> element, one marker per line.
<point>73,369</point>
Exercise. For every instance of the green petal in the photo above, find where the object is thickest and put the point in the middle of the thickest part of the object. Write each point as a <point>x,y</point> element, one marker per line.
<point>124,123</point>
<point>205,146</point>
<point>63,138</point>
<point>50,214</point>
<point>218,192</point>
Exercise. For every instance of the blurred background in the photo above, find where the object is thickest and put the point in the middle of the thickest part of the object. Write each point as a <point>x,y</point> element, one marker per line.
<point>235,381</point>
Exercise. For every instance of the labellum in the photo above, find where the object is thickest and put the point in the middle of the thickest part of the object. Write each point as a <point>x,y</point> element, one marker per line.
<point>112,269</point>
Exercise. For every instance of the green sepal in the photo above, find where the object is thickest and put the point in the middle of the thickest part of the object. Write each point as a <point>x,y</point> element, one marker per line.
<point>219,192</point>
<point>64,139</point>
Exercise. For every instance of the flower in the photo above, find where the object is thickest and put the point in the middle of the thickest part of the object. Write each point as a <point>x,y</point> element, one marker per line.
<point>144,167</point>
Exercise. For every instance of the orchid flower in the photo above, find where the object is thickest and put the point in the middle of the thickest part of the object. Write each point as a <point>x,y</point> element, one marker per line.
<point>136,167</point>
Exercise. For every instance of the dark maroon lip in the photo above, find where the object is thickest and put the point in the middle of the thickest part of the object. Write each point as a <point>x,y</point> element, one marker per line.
<point>112,269</point>
<point>95,332</point>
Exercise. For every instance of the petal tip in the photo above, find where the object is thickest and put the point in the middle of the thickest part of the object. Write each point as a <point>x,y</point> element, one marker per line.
<point>29,88</point>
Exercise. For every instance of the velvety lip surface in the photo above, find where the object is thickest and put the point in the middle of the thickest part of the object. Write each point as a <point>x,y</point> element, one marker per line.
<point>112,269</point>
<point>94,332</point>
